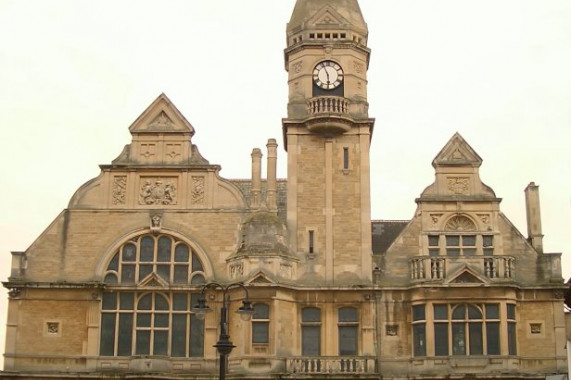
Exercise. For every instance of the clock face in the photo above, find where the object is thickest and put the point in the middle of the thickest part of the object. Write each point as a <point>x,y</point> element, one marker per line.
<point>328,75</point>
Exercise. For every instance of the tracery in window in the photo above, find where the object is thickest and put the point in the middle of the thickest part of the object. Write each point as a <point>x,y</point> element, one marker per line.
<point>147,321</point>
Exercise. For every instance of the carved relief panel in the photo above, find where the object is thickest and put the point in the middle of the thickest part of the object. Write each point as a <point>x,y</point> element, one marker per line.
<point>158,190</point>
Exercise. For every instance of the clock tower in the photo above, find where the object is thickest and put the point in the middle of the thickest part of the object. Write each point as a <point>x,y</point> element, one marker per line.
<point>327,135</point>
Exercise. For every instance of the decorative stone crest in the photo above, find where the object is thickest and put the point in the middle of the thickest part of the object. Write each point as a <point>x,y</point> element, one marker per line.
<point>197,194</point>
<point>156,222</point>
<point>458,185</point>
<point>148,150</point>
<point>236,270</point>
<point>119,190</point>
<point>297,67</point>
<point>173,150</point>
<point>392,330</point>
<point>485,218</point>
<point>358,67</point>
<point>435,218</point>
<point>157,192</point>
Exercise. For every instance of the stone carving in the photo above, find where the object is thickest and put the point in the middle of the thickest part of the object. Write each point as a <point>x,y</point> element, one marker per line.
<point>197,194</point>
<point>52,327</point>
<point>435,218</point>
<point>161,122</point>
<point>156,221</point>
<point>535,328</point>
<point>460,223</point>
<point>173,150</point>
<point>148,150</point>
<point>297,67</point>
<point>14,293</point>
<point>485,218</point>
<point>457,155</point>
<point>236,270</point>
<point>392,330</point>
<point>157,192</point>
<point>285,271</point>
<point>358,67</point>
<point>119,190</point>
<point>458,185</point>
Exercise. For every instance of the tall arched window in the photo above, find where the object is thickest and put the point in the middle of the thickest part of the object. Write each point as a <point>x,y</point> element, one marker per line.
<point>141,314</point>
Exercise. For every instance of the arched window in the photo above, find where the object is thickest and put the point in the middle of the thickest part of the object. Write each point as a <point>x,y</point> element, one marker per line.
<point>140,314</point>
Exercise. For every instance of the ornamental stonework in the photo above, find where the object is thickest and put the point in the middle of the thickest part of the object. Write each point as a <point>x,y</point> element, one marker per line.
<point>119,190</point>
<point>197,194</point>
<point>458,185</point>
<point>158,191</point>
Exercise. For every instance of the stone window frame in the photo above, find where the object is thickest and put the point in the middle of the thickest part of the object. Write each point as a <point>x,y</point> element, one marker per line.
<point>261,324</point>
<point>348,331</point>
<point>311,330</point>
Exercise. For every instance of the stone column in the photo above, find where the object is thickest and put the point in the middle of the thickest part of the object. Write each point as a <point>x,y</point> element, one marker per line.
<point>256,178</point>
<point>272,190</point>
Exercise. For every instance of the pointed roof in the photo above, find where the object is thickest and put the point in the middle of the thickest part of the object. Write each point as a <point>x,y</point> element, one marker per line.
<point>457,152</point>
<point>161,116</point>
<point>342,11</point>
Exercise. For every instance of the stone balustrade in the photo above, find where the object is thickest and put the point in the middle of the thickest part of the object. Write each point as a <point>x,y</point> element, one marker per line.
<point>436,268</point>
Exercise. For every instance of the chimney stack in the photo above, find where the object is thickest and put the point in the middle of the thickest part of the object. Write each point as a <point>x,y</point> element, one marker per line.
<point>256,178</point>
<point>534,235</point>
<point>272,190</point>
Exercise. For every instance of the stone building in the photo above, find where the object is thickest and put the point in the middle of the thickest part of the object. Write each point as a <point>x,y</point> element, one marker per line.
<point>109,289</point>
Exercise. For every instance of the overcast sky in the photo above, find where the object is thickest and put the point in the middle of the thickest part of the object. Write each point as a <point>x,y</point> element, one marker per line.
<point>75,74</point>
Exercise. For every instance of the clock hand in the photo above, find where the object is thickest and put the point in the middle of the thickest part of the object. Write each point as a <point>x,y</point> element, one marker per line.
<point>327,73</point>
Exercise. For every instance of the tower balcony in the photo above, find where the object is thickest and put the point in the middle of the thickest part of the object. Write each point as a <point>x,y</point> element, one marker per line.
<point>328,115</point>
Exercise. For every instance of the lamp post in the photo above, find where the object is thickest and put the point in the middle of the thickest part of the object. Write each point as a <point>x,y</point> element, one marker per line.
<point>224,346</point>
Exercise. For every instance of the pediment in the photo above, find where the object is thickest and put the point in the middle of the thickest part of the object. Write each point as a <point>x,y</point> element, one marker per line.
<point>457,152</point>
<point>153,281</point>
<point>466,276</point>
<point>328,16</point>
<point>260,278</point>
<point>161,117</point>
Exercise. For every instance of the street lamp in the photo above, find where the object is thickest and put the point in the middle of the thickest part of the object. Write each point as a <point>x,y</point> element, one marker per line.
<point>224,345</point>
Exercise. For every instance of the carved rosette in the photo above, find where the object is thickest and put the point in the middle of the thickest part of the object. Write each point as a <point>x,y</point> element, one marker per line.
<point>158,191</point>
<point>119,190</point>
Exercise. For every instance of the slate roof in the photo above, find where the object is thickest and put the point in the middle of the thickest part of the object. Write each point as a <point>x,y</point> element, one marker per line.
<point>384,232</point>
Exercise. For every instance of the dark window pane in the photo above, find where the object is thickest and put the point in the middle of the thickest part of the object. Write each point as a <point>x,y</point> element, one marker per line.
<point>453,252</point>
<point>488,251</point>
<point>126,301</point>
<point>196,264</point>
<point>348,314</point>
<point>181,274</point>
<point>147,249</point>
<point>512,344</point>
<point>161,320</point>
<point>260,332</point>
<point>181,253</point>
<point>164,271</point>
<point>458,339</point>
<point>129,251</point>
<point>441,312</point>
<point>469,251</point>
<point>433,252</point>
<point>474,312</point>
<point>433,240</point>
<point>160,343</point>
<point>310,340</point>
<point>196,336</point>
<point>161,302</point>
<point>441,339</point>
<point>145,302</point>
<point>419,338</point>
<point>261,311</point>
<point>143,342</point>
<point>164,254</point>
<point>145,270</point>
<point>114,263</point>
<point>128,274</point>
<point>452,240</point>
<point>125,341</point>
<point>418,313</point>
<point>143,320</point>
<point>469,241</point>
<point>488,240</point>
<point>107,343</point>
<point>511,311</point>
<point>109,301</point>
<point>310,314</point>
<point>493,338</point>
<point>178,336</point>
<point>347,340</point>
<point>110,278</point>
<point>459,312</point>
<point>476,340</point>
<point>492,311</point>
<point>180,301</point>
<point>197,279</point>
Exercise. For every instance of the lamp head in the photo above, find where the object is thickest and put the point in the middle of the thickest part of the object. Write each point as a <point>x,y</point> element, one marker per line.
<point>246,310</point>
<point>201,308</point>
